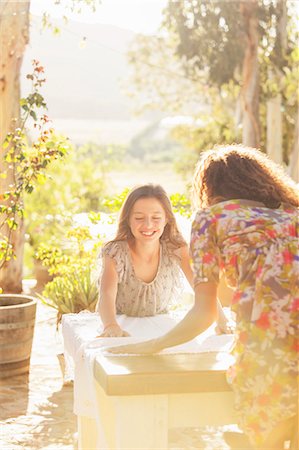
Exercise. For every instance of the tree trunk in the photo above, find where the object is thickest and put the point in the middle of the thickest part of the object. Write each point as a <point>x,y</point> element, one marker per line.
<point>293,168</point>
<point>250,76</point>
<point>274,129</point>
<point>14,35</point>
<point>274,114</point>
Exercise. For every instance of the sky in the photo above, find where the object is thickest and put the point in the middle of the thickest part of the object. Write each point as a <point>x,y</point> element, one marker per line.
<point>141,16</point>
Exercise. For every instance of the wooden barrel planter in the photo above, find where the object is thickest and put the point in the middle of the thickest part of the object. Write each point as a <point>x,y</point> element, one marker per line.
<point>17,320</point>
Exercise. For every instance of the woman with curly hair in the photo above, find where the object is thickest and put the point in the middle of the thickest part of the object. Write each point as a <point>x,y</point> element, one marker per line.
<point>247,227</point>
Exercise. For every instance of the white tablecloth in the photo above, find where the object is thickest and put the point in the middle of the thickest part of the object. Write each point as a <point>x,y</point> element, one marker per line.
<point>81,347</point>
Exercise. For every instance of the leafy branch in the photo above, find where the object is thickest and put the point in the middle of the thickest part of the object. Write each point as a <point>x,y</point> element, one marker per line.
<point>26,164</point>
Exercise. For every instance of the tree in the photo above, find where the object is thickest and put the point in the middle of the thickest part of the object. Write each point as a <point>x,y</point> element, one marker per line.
<point>14,36</point>
<point>229,41</point>
<point>274,103</point>
<point>221,39</point>
<point>26,166</point>
<point>220,54</point>
<point>250,75</point>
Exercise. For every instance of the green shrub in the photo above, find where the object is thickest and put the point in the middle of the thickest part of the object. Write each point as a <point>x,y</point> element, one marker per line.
<point>74,287</point>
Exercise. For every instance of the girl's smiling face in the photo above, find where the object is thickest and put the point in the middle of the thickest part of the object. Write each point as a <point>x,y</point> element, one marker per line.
<point>147,219</point>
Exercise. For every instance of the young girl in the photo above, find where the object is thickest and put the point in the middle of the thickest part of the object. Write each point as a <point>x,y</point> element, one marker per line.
<point>141,265</point>
<point>247,225</point>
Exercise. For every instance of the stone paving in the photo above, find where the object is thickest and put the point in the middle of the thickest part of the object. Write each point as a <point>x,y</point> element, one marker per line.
<point>36,410</point>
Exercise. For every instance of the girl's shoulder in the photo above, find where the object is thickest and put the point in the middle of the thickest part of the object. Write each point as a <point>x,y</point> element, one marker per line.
<point>173,250</point>
<point>114,248</point>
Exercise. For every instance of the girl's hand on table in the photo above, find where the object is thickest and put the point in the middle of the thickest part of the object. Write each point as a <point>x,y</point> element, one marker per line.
<point>113,330</point>
<point>142,348</point>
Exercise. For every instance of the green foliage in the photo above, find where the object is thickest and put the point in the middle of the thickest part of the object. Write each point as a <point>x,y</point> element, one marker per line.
<point>26,165</point>
<point>74,287</point>
<point>77,5</point>
<point>195,63</point>
<point>211,35</point>
<point>217,128</point>
<point>93,164</point>
<point>181,204</point>
<point>78,185</point>
<point>72,292</point>
<point>113,204</point>
<point>74,6</point>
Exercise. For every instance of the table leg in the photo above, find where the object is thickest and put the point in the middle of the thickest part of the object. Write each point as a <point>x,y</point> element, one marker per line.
<point>141,422</point>
<point>201,409</point>
<point>126,422</point>
<point>98,433</point>
<point>87,433</point>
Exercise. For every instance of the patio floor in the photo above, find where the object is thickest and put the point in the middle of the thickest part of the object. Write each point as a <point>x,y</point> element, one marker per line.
<point>36,410</point>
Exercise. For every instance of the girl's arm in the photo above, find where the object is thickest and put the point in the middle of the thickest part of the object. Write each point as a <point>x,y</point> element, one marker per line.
<point>198,319</point>
<point>106,304</point>
<point>222,321</point>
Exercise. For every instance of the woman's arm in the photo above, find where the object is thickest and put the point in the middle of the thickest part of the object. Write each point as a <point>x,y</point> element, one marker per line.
<point>185,264</point>
<point>106,304</point>
<point>222,321</point>
<point>198,319</point>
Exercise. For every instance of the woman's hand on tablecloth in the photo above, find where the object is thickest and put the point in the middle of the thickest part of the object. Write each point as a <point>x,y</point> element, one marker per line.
<point>225,326</point>
<point>113,330</point>
<point>142,348</point>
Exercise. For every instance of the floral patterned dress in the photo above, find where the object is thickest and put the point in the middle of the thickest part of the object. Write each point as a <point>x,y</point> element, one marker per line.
<point>257,248</point>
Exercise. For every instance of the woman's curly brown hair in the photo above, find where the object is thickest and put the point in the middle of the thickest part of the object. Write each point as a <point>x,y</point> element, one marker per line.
<point>237,172</point>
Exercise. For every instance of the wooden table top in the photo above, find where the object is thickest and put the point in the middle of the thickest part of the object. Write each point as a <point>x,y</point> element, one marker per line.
<point>163,374</point>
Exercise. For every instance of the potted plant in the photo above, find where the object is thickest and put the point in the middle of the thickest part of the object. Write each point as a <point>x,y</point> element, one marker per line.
<point>17,320</point>
<point>74,286</point>
<point>42,226</point>
<point>24,165</point>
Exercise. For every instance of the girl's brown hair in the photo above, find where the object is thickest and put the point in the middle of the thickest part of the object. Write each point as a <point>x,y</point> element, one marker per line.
<point>171,232</point>
<point>237,172</point>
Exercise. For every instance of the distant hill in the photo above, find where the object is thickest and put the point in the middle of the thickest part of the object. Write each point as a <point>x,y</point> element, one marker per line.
<point>84,67</point>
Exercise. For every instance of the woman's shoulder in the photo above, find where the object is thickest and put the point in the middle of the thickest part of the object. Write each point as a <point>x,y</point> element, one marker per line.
<point>116,250</point>
<point>113,248</point>
<point>174,250</point>
<point>290,209</point>
<point>226,207</point>
<point>205,214</point>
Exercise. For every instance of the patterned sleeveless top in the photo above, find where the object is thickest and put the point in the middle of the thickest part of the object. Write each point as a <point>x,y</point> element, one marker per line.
<point>136,297</point>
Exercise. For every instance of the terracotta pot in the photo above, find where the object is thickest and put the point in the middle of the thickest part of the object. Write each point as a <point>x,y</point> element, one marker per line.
<point>41,275</point>
<point>17,320</point>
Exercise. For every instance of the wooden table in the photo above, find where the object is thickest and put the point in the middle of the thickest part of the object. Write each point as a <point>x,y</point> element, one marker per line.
<point>141,397</point>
